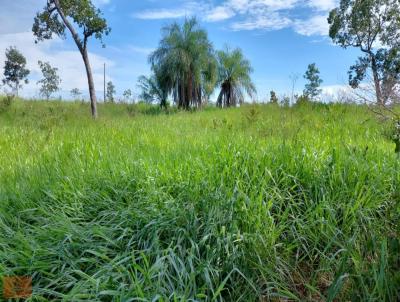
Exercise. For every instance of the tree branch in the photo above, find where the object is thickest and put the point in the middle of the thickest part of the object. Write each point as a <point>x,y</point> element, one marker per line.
<point>74,34</point>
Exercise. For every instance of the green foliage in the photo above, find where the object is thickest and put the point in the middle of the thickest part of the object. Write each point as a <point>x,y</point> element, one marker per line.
<point>127,95</point>
<point>364,24</point>
<point>83,13</point>
<point>392,132</point>
<point>83,20</point>
<point>252,113</point>
<point>233,77</point>
<point>110,93</point>
<point>153,89</point>
<point>76,94</point>
<point>151,109</point>
<point>302,99</point>
<point>312,89</point>
<point>300,205</point>
<point>50,82</point>
<point>184,64</point>
<point>6,102</point>
<point>396,137</point>
<point>273,98</point>
<point>285,102</point>
<point>15,70</point>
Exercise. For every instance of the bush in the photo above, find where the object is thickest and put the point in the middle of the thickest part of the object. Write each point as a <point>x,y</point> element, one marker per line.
<point>302,99</point>
<point>149,109</point>
<point>6,102</point>
<point>392,133</point>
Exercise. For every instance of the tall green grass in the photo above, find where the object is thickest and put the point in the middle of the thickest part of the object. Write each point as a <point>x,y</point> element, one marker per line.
<point>260,203</point>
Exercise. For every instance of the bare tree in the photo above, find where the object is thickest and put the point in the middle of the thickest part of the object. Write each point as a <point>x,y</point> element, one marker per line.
<point>294,77</point>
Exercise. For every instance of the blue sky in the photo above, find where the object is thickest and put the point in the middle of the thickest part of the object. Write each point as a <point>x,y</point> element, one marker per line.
<point>279,37</point>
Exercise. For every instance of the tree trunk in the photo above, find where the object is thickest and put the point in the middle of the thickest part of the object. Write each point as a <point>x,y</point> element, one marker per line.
<point>92,91</point>
<point>83,50</point>
<point>220,97</point>
<point>229,100</point>
<point>190,91</point>
<point>378,90</point>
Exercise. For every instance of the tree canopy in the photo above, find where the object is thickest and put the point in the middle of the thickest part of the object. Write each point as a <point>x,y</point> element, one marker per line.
<point>110,93</point>
<point>314,81</point>
<point>50,82</point>
<point>127,95</point>
<point>273,98</point>
<point>233,77</point>
<point>75,93</point>
<point>373,27</point>
<point>184,63</point>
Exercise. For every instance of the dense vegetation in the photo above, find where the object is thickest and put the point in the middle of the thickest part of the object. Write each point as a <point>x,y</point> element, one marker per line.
<point>261,203</point>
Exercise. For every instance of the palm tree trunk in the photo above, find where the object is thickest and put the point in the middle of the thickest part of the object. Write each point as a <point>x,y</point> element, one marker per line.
<point>220,97</point>
<point>190,90</point>
<point>229,96</point>
<point>182,95</point>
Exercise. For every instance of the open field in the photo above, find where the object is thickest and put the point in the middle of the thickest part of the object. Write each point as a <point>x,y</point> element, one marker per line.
<point>259,203</point>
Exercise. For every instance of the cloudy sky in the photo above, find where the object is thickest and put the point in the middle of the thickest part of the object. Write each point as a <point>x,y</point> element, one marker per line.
<point>280,37</point>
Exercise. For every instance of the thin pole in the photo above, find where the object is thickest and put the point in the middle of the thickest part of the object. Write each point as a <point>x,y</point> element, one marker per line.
<point>104,82</point>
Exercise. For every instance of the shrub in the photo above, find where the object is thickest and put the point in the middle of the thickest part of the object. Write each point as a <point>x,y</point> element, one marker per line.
<point>6,102</point>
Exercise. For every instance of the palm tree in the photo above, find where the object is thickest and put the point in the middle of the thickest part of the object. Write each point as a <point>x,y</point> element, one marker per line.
<point>186,62</point>
<point>233,76</point>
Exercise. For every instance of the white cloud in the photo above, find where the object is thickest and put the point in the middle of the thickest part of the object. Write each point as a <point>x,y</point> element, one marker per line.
<point>273,21</point>
<point>317,25</point>
<point>323,5</point>
<point>249,6</point>
<point>162,14</point>
<point>336,89</point>
<point>69,62</point>
<point>188,9</point>
<point>255,14</point>
<point>338,93</point>
<point>219,13</point>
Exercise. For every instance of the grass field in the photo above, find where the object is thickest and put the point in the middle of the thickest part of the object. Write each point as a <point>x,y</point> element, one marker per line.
<point>260,203</point>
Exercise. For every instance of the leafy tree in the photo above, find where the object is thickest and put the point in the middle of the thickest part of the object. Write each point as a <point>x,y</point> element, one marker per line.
<point>15,71</point>
<point>50,82</point>
<point>233,77</point>
<point>273,98</point>
<point>152,90</point>
<point>127,95</point>
<point>73,15</point>
<point>285,101</point>
<point>184,64</point>
<point>76,93</point>
<point>312,89</point>
<point>365,24</point>
<point>110,92</point>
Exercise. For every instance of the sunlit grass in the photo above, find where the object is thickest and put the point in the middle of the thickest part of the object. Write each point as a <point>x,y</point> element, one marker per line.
<point>257,203</point>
